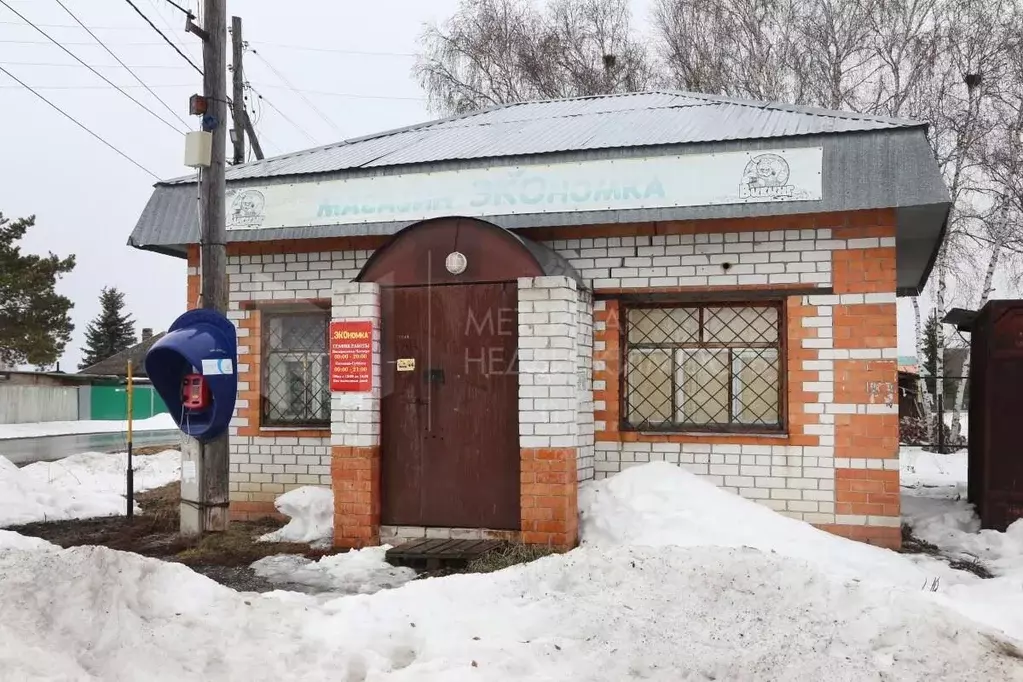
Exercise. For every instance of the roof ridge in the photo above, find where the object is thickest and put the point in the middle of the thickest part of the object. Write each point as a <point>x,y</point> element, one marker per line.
<point>794,108</point>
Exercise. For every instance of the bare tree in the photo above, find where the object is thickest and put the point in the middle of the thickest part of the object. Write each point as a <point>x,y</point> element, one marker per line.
<point>741,48</point>
<point>498,51</point>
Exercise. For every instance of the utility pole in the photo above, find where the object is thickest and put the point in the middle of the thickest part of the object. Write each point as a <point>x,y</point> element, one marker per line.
<point>242,124</point>
<point>238,96</point>
<point>204,489</point>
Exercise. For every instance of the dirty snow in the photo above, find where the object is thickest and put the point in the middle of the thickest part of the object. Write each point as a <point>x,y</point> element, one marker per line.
<point>158,422</point>
<point>733,614</point>
<point>676,580</point>
<point>77,487</point>
<point>311,510</point>
<point>361,571</point>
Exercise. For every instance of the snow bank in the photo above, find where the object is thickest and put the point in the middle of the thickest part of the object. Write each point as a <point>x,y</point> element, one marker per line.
<point>662,504</point>
<point>622,613</point>
<point>362,571</point>
<point>159,422</point>
<point>11,540</point>
<point>312,516</point>
<point>78,487</point>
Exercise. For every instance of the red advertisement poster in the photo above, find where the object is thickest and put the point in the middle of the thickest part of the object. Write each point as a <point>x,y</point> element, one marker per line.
<point>351,356</point>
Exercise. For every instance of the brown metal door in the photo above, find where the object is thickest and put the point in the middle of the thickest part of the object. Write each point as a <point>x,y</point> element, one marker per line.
<point>450,425</point>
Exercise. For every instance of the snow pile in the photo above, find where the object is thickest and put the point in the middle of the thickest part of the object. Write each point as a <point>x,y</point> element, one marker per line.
<point>623,613</point>
<point>661,504</point>
<point>78,487</point>
<point>160,422</point>
<point>362,571</point>
<point>699,602</point>
<point>312,516</point>
<point>11,540</point>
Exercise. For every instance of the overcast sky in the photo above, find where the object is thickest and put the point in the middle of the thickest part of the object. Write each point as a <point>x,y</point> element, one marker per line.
<point>351,60</point>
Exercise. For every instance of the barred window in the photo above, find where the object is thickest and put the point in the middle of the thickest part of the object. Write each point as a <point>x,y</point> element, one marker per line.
<point>295,382</point>
<point>703,367</point>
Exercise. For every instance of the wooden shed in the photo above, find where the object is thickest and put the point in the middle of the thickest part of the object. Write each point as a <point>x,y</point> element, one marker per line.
<point>995,475</point>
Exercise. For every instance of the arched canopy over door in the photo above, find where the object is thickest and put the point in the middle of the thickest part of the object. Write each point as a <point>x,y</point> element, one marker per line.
<point>416,256</point>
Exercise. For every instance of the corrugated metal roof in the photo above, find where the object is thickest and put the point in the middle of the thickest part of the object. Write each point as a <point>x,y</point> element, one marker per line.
<point>587,123</point>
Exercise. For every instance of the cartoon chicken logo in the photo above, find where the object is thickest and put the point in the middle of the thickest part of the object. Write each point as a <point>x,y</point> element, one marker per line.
<point>766,176</point>
<point>247,209</point>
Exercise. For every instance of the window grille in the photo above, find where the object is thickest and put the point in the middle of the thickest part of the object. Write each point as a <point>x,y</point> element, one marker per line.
<point>295,374</point>
<point>703,367</point>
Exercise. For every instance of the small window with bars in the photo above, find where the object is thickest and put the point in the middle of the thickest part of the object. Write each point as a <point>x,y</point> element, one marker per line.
<point>703,368</point>
<point>295,374</point>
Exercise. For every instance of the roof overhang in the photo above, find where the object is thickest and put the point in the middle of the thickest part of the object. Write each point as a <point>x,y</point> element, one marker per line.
<point>886,169</point>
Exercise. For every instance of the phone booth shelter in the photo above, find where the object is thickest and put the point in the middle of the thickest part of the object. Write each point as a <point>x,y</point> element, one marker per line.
<point>455,325</point>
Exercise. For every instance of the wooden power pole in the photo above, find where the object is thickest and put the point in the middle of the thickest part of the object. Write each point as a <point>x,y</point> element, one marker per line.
<point>242,124</point>
<point>238,93</point>
<point>204,489</point>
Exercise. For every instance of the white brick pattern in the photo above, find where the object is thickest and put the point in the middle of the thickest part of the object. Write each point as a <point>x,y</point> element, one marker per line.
<point>263,467</point>
<point>548,357</point>
<point>584,452</point>
<point>355,417</point>
<point>733,258</point>
<point>798,481</point>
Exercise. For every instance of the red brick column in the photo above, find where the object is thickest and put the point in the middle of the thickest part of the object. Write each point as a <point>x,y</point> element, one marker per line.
<point>549,495</point>
<point>355,478</point>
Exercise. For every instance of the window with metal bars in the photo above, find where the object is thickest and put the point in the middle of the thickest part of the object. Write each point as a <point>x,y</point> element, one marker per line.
<point>714,367</point>
<point>296,388</point>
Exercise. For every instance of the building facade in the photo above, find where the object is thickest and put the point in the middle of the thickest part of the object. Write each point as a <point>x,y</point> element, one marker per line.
<point>553,307</point>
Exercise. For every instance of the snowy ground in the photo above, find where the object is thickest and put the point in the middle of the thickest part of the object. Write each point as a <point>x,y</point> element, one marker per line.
<point>934,506</point>
<point>160,422</point>
<point>80,486</point>
<point>676,580</point>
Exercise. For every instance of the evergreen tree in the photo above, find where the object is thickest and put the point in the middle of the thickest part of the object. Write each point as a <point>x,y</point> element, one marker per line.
<point>111,332</point>
<point>35,324</point>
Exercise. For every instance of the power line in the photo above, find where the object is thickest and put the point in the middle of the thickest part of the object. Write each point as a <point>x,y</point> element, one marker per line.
<point>361,53</point>
<point>80,125</point>
<point>78,59</point>
<point>97,87</point>
<point>186,12</point>
<point>95,28</point>
<point>99,66</point>
<point>282,115</point>
<point>352,95</point>
<point>151,43</point>
<point>170,30</point>
<point>128,68</point>
<point>299,93</point>
<point>168,40</point>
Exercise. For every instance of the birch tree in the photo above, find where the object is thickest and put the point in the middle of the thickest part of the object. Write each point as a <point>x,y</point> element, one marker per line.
<point>498,51</point>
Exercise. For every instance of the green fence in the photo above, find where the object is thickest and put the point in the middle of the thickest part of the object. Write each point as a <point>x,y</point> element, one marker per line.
<point>111,402</point>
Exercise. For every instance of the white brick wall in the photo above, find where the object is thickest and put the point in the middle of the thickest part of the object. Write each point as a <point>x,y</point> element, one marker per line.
<point>794,480</point>
<point>548,353</point>
<point>584,452</point>
<point>264,467</point>
<point>774,257</point>
<point>355,417</point>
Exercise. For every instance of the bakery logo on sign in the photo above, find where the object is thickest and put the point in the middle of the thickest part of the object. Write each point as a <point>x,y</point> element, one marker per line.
<point>248,209</point>
<point>766,177</point>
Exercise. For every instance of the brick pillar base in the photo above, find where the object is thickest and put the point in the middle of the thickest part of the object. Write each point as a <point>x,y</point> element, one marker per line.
<point>881,536</point>
<point>550,497</point>
<point>355,477</point>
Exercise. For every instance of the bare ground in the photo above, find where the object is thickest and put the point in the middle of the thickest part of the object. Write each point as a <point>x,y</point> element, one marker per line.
<point>224,557</point>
